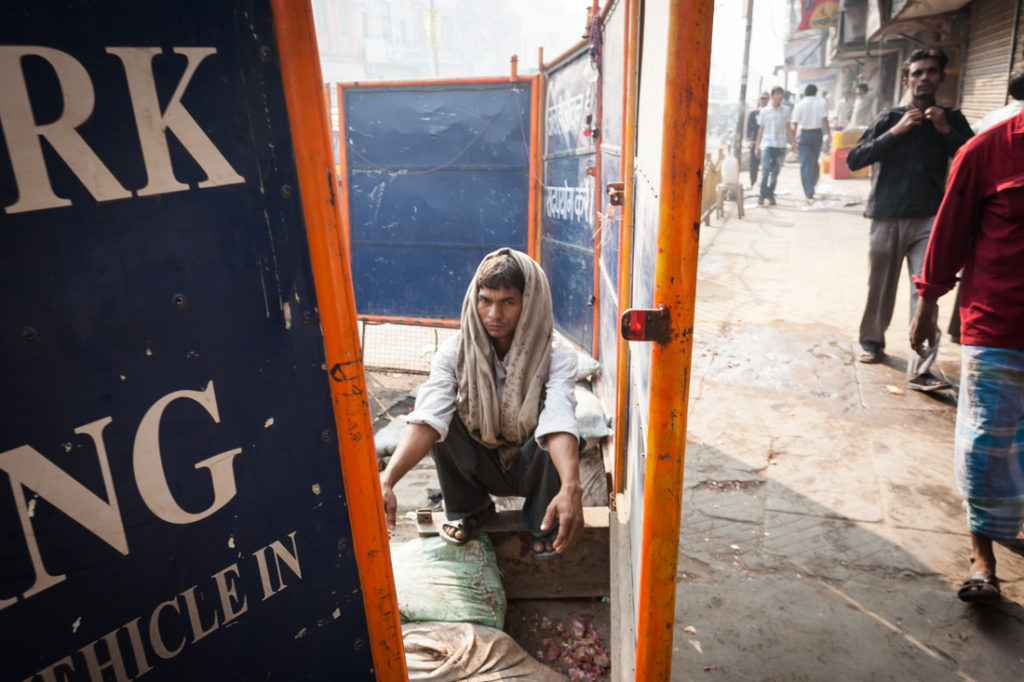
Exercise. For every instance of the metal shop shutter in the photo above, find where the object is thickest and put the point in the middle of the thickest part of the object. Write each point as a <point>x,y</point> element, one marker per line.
<point>989,51</point>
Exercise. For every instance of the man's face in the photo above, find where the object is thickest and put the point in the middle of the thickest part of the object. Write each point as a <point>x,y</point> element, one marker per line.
<point>776,99</point>
<point>499,311</point>
<point>923,78</point>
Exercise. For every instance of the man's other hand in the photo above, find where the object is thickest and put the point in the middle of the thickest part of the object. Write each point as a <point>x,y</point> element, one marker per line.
<point>567,507</point>
<point>924,330</point>
<point>911,119</point>
<point>390,506</point>
<point>413,446</point>
<point>937,115</point>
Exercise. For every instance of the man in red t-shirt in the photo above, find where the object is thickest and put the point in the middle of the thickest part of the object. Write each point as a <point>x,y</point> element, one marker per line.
<point>980,227</point>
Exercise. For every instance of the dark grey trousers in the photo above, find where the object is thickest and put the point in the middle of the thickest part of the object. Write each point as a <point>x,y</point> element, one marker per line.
<point>470,473</point>
<point>892,242</point>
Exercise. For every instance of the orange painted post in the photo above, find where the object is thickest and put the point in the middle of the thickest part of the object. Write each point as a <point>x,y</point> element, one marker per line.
<point>533,161</point>
<point>625,291</point>
<point>686,93</point>
<point>421,83</point>
<point>307,115</point>
<point>539,141</point>
<point>417,321</point>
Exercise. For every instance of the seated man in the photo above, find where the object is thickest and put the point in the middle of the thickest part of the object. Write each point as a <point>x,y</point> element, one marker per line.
<point>498,412</point>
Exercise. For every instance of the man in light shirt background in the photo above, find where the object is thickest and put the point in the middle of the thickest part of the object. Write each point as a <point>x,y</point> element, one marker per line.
<point>773,134</point>
<point>844,111</point>
<point>810,115</point>
<point>864,107</point>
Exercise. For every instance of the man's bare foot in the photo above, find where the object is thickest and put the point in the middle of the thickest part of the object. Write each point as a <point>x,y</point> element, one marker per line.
<point>463,530</point>
<point>981,584</point>
<point>544,547</point>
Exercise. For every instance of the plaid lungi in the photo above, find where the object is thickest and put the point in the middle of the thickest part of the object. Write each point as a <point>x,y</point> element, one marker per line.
<point>989,449</point>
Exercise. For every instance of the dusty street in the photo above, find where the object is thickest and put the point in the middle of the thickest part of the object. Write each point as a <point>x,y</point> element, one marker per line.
<point>822,533</point>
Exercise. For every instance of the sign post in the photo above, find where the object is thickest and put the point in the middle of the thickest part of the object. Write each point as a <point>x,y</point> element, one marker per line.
<point>181,372</point>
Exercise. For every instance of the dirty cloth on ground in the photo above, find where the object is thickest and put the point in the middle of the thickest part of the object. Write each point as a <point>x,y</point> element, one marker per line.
<point>446,652</point>
<point>504,423</point>
<point>990,440</point>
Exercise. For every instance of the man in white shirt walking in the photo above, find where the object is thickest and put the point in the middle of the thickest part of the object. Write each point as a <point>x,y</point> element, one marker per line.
<point>811,116</point>
<point>498,412</point>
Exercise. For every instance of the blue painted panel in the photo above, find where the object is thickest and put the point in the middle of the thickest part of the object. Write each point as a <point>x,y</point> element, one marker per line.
<point>570,106</point>
<point>567,223</point>
<point>438,176</point>
<point>611,224</point>
<point>645,249</point>
<point>162,359</point>
<point>416,128</point>
<point>612,76</point>
<point>569,200</point>
<point>571,274</point>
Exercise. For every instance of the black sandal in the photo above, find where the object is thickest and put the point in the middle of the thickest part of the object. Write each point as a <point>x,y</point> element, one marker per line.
<point>544,540</point>
<point>469,525</point>
<point>980,586</point>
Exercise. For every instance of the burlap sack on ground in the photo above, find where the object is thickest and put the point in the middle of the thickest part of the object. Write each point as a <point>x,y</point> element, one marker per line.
<point>447,652</point>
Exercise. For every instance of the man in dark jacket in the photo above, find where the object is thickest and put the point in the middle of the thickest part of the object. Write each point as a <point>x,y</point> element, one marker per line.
<point>751,135</point>
<point>909,148</point>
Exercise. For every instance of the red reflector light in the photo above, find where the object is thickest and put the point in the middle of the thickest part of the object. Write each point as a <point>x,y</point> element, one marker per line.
<point>640,324</point>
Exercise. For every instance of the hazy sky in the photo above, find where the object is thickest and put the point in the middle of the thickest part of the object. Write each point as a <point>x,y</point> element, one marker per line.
<point>766,44</point>
<point>767,40</point>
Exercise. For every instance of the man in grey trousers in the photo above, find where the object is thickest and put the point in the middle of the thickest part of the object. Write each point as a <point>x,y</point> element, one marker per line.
<point>909,149</point>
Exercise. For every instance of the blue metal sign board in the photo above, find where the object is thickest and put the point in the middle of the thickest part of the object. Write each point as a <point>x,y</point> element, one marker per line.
<point>171,498</point>
<point>438,176</point>
<point>567,223</point>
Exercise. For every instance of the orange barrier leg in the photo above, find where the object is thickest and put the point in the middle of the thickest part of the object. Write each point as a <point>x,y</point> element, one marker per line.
<point>686,93</point>
<point>308,117</point>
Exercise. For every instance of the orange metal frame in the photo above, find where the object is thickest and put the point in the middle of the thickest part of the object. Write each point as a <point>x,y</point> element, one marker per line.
<point>307,115</point>
<point>533,226</point>
<point>599,17</point>
<point>625,291</point>
<point>686,93</point>
<point>421,321</point>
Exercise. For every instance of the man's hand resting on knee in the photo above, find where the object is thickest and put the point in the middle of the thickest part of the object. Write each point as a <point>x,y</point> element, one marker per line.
<point>567,505</point>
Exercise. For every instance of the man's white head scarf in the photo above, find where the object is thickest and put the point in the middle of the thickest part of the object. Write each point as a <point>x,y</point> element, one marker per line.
<point>506,426</point>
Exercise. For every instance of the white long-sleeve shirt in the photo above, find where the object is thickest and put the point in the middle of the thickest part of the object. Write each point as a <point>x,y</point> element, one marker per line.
<point>435,402</point>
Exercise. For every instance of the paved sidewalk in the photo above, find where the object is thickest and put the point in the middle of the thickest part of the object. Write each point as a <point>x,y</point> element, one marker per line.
<point>822,533</point>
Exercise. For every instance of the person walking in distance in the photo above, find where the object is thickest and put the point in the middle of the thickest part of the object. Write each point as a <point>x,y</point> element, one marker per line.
<point>810,115</point>
<point>864,105</point>
<point>773,134</point>
<point>751,136</point>
<point>909,148</point>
